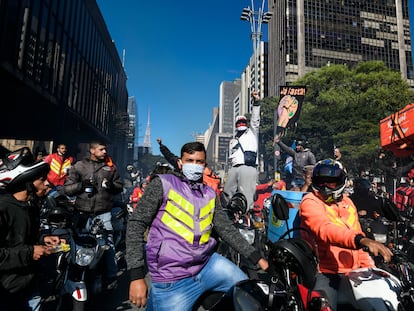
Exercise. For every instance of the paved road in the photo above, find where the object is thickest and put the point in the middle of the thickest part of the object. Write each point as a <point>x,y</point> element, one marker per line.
<point>116,300</point>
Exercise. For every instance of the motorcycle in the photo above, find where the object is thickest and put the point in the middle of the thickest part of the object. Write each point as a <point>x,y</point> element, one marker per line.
<point>378,288</point>
<point>250,228</point>
<point>79,268</point>
<point>285,286</point>
<point>394,231</point>
<point>292,272</point>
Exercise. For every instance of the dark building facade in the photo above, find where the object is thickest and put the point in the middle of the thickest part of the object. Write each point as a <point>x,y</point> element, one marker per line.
<point>62,75</point>
<point>308,34</point>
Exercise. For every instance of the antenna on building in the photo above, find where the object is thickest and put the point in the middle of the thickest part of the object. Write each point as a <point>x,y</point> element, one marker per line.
<point>123,58</point>
<point>147,138</point>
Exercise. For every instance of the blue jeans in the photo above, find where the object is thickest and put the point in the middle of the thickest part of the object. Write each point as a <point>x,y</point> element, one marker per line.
<point>331,285</point>
<point>219,274</point>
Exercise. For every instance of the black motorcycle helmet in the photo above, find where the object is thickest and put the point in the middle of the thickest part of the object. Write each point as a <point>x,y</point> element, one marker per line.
<point>59,212</point>
<point>329,171</point>
<point>18,169</point>
<point>238,203</point>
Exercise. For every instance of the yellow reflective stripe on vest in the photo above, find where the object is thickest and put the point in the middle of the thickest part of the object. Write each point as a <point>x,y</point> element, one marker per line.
<point>207,209</point>
<point>66,164</point>
<point>179,217</point>
<point>181,201</point>
<point>55,166</point>
<point>178,227</point>
<point>204,223</point>
<point>207,221</point>
<point>178,213</point>
<point>58,168</point>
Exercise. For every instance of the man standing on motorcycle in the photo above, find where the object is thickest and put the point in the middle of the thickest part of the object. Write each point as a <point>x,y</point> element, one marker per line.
<point>181,213</point>
<point>95,181</point>
<point>332,220</point>
<point>24,182</point>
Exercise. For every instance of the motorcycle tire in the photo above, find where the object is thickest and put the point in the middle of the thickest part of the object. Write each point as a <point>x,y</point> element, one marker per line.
<point>78,305</point>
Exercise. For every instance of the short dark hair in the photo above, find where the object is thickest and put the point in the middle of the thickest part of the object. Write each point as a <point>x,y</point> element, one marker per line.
<point>192,147</point>
<point>95,143</point>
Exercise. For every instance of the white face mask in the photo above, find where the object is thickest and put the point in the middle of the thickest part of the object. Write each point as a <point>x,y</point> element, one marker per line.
<point>241,128</point>
<point>192,171</point>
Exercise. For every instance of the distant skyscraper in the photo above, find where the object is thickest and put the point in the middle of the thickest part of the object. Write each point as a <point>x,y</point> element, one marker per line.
<point>132,130</point>
<point>308,34</point>
<point>147,138</point>
<point>132,121</point>
<point>229,90</point>
<point>146,147</point>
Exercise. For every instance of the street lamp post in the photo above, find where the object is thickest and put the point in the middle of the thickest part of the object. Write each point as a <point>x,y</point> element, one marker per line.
<point>256,19</point>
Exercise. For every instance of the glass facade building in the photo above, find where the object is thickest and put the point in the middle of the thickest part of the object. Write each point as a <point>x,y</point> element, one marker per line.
<point>308,34</point>
<point>61,72</point>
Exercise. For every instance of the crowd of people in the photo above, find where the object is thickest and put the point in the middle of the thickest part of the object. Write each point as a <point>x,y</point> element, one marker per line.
<point>178,216</point>
<point>25,183</point>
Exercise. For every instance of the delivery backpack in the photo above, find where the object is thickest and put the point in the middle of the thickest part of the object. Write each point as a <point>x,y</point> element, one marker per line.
<point>404,199</point>
<point>212,180</point>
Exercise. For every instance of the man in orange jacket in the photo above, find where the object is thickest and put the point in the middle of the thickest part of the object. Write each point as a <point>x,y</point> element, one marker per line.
<point>332,220</point>
<point>59,164</point>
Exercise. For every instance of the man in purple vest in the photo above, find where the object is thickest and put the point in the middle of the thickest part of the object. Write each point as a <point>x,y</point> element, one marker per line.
<point>181,213</point>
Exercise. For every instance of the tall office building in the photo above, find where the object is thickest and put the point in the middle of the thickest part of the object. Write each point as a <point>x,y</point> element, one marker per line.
<point>62,76</point>
<point>308,34</point>
<point>229,90</point>
<point>132,117</point>
<point>248,78</point>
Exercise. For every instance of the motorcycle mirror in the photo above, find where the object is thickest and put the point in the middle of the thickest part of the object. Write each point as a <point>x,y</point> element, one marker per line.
<point>280,207</point>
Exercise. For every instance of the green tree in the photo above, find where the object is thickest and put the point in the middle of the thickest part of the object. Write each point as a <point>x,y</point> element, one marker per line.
<point>343,107</point>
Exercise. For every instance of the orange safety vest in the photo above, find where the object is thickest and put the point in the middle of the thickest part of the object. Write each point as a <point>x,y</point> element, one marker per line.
<point>58,166</point>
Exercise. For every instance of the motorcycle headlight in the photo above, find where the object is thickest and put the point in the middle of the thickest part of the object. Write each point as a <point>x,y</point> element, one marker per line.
<point>84,256</point>
<point>248,235</point>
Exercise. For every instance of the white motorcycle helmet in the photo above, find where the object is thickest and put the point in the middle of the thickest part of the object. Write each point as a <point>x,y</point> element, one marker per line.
<point>325,172</point>
<point>18,168</point>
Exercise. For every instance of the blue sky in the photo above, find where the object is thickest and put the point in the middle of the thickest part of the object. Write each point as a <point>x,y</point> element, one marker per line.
<point>176,55</point>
